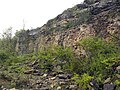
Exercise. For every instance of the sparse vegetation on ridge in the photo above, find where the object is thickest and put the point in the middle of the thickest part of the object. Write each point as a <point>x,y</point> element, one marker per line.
<point>78,50</point>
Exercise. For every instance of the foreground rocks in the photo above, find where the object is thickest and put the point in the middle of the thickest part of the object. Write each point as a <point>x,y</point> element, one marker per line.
<point>109,87</point>
<point>58,82</point>
<point>57,79</point>
<point>52,81</point>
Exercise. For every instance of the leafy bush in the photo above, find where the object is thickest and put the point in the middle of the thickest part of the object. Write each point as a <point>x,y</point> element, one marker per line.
<point>55,56</point>
<point>83,80</point>
<point>99,62</point>
<point>3,56</point>
<point>102,56</point>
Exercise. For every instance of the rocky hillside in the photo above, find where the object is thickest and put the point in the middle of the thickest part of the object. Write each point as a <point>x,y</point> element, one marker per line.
<point>77,50</point>
<point>91,18</point>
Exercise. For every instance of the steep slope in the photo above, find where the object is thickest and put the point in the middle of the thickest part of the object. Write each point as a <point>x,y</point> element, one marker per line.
<point>77,50</point>
<point>98,18</point>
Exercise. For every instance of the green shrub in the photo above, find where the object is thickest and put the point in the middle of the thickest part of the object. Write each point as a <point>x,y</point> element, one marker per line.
<point>83,80</point>
<point>55,56</point>
<point>102,56</point>
<point>117,82</point>
<point>3,56</point>
<point>99,62</point>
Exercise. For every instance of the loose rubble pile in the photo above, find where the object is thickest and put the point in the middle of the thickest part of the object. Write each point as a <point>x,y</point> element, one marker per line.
<point>53,80</point>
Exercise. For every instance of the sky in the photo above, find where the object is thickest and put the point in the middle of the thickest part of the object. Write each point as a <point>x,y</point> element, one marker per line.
<point>31,13</point>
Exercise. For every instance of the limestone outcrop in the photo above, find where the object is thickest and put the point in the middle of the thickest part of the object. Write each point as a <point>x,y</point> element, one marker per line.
<point>92,18</point>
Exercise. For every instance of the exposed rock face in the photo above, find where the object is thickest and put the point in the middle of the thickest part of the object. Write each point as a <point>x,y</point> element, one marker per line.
<point>91,1</point>
<point>92,18</point>
<point>99,18</point>
<point>100,1</point>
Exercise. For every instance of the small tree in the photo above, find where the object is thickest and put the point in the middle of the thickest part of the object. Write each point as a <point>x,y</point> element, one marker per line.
<point>6,43</point>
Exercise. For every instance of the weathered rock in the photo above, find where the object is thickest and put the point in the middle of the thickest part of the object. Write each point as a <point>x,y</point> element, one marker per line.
<point>84,5</point>
<point>59,88</point>
<point>34,63</point>
<point>109,87</point>
<point>45,88</point>
<point>53,74</point>
<point>118,68</point>
<point>53,78</point>
<point>38,81</point>
<point>108,80</point>
<point>37,74</point>
<point>69,76</point>
<point>31,71</point>
<point>13,89</point>
<point>72,87</point>
<point>118,76</point>
<point>94,84</point>
<point>62,76</point>
<point>62,83</point>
